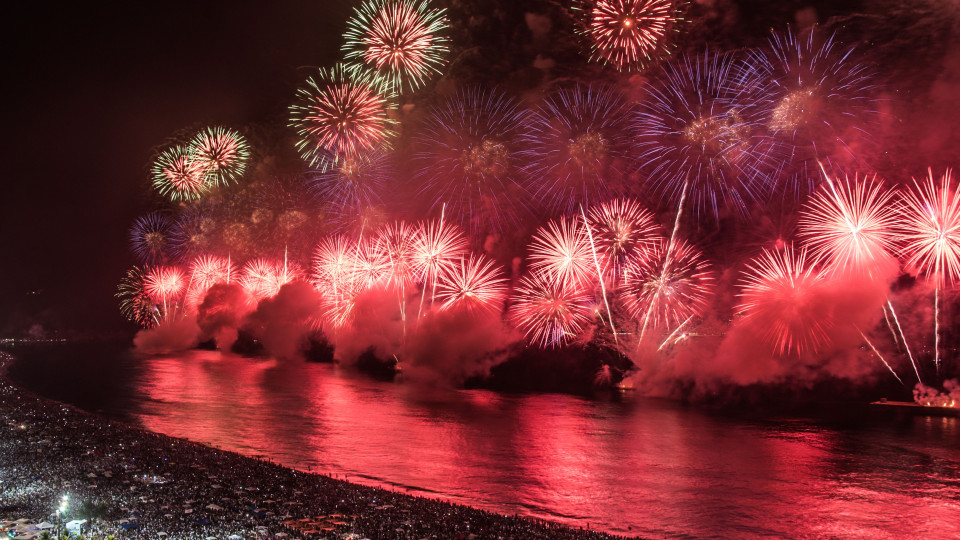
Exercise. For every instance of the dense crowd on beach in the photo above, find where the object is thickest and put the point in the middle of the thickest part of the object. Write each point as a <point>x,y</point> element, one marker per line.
<point>145,485</point>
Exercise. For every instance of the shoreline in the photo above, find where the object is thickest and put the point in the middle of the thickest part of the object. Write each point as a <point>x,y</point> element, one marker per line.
<point>192,491</point>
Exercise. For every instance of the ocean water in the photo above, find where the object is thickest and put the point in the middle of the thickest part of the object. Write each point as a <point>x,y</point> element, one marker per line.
<point>630,465</point>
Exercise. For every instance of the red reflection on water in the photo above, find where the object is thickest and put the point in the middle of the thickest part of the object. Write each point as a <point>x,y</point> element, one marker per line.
<point>642,467</point>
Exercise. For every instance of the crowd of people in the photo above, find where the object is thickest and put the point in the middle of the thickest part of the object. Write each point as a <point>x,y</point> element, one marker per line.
<point>132,483</point>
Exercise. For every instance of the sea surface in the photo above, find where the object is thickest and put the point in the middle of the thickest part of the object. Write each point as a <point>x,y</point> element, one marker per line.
<point>628,465</point>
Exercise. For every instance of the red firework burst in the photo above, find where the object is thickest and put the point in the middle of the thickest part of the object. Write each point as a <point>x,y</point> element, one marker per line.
<point>779,301</point>
<point>930,231</point>
<point>338,116</point>
<point>222,153</point>
<point>628,34</point>
<point>205,272</point>
<point>550,312</point>
<point>437,246</point>
<point>561,252</point>
<point>164,283</point>
<point>851,224</point>
<point>399,42</point>
<point>666,285</point>
<point>621,229</point>
<point>262,278</point>
<point>395,247</point>
<point>179,175</point>
<point>473,283</point>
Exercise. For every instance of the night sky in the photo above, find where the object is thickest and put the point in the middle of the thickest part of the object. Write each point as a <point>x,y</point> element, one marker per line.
<point>94,91</point>
<point>90,92</point>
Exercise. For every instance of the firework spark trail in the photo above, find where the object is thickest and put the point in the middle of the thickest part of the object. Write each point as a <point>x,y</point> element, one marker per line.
<point>666,259</point>
<point>684,323</point>
<point>395,244</point>
<point>622,229</point>
<point>596,262</point>
<point>436,248</point>
<point>164,283</point>
<point>893,333</point>
<point>880,356</point>
<point>904,339</point>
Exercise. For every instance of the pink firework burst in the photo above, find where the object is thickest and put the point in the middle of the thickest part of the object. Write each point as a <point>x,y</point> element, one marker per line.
<point>621,229</point>
<point>335,264</point>
<point>473,283</point>
<point>164,283</point>
<point>561,251</point>
<point>437,246</point>
<point>852,224</point>
<point>395,247</point>
<point>930,228</point>
<point>665,286</point>
<point>205,272</point>
<point>263,278</point>
<point>628,34</point>
<point>549,312</point>
<point>779,301</point>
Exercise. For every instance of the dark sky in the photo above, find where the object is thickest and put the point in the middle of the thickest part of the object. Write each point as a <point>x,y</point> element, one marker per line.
<point>90,91</point>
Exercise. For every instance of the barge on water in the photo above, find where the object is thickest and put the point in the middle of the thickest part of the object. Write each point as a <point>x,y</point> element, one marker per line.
<point>910,407</point>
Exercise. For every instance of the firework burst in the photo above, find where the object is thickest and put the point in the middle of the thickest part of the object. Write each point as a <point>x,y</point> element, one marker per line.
<point>930,228</point>
<point>561,251</point>
<point>179,175</point>
<point>437,245</point>
<point>549,312</point>
<point>263,278</point>
<point>164,285</point>
<point>579,141</point>
<point>621,229</point>
<point>395,245</point>
<point>221,153</point>
<point>205,272</point>
<point>399,42</point>
<point>338,117</point>
<point>335,265</point>
<point>135,304</point>
<point>469,158</point>
<point>192,234</point>
<point>351,185</point>
<point>474,284</point>
<point>150,237</point>
<point>819,101</point>
<point>779,301</point>
<point>851,224</point>
<point>627,34</point>
<point>699,136</point>
<point>666,285</point>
